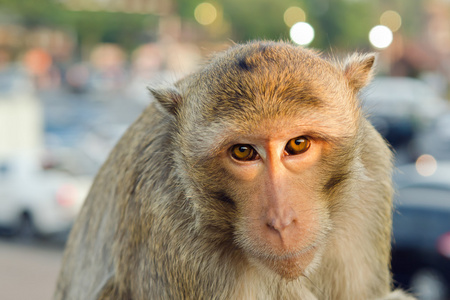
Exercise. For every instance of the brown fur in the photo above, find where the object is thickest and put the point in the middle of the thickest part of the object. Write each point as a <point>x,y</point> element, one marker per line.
<point>170,216</point>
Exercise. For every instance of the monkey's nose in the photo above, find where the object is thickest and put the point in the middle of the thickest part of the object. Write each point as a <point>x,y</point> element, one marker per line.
<point>281,221</point>
<point>279,224</point>
<point>280,232</point>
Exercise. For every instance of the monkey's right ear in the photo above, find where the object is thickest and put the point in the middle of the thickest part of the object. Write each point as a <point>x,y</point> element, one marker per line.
<point>358,69</point>
<point>168,97</point>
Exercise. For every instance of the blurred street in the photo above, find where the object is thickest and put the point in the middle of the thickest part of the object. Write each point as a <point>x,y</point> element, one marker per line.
<point>28,269</point>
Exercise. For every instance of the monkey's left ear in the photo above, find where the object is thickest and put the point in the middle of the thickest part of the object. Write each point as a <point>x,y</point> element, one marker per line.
<point>169,98</point>
<point>358,69</point>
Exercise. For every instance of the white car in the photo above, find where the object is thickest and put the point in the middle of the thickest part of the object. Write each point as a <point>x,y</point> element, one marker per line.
<point>38,201</point>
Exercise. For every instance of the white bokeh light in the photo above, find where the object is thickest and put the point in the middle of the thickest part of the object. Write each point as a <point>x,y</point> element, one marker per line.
<point>302,33</point>
<point>380,36</point>
<point>426,165</point>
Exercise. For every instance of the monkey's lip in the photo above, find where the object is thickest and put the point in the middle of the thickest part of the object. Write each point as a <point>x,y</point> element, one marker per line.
<point>293,264</point>
<point>297,254</point>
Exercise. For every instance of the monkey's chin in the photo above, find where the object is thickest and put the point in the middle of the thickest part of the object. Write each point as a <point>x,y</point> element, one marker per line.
<point>292,266</point>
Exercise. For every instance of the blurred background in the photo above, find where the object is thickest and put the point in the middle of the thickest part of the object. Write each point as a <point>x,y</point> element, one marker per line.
<point>73,76</point>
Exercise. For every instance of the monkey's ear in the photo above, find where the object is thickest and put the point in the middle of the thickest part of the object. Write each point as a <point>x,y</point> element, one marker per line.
<point>358,69</point>
<point>168,97</point>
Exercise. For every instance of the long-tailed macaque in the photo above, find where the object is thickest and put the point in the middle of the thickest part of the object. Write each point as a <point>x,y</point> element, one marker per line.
<point>256,177</point>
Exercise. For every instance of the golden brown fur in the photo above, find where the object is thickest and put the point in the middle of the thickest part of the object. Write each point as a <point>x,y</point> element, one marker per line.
<point>171,216</point>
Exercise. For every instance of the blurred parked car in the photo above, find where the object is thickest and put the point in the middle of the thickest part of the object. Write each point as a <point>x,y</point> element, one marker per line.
<point>38,201</point>
<point>399,107</point>
<point>435,139</point>
<point>421,227</point>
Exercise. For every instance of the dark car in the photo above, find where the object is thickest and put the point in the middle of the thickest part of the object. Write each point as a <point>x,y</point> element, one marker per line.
<point>421,226</point>
<point>399,107</point>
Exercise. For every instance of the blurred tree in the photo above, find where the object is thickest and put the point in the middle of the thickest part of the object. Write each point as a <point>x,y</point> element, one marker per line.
<point>32,13</point>
<point>91,27</point>
<point>125,29</point>
<point>257,19</point>
<point>337,23</point>
<point>250,19</point>
<point>344,24</point>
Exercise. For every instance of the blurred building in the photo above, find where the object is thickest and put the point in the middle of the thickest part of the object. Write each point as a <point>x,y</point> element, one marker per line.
<point>426,54</point>
<point>21,122</point>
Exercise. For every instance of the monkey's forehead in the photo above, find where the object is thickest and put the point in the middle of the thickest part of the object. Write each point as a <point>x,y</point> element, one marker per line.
<point>267,59</point>
<point>267,78</point>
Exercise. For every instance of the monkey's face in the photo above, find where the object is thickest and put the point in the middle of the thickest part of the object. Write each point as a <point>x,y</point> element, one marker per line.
<point>265,136</point>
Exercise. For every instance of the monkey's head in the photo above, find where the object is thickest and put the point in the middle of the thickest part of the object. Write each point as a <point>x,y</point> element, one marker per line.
<point>264,140</point>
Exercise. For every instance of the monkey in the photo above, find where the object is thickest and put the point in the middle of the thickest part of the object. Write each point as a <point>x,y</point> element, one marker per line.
<point>256,177</point>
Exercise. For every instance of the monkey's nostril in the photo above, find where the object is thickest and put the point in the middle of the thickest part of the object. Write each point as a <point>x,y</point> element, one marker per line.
<point>270,225</point>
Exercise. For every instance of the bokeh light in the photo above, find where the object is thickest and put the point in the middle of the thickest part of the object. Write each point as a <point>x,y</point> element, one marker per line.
<point>380,36</point>
<point>391,19</point>
<point>426,165</point>
<point>37,61</point>
<point>205,13</point>
<point>302,33</point>
<point>294,15</point>
<point>443,245</point>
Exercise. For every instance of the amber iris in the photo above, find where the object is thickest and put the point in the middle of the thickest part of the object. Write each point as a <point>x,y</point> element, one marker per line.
<point>298,145</point>
<point>243,152</point>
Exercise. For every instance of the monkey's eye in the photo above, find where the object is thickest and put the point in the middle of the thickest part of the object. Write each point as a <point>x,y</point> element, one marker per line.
<point>243,152</point>
<point>297,145</point>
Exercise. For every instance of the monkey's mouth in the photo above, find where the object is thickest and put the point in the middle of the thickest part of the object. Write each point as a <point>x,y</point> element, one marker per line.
<point>290,265</point>
<point>296,254</point>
